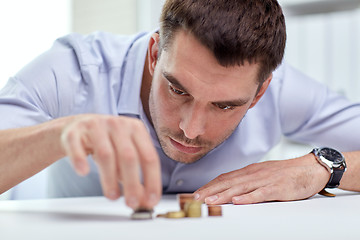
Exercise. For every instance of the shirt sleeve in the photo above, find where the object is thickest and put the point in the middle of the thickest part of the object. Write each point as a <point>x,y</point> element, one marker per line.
<point>311,113</point>
<point>45,89</point>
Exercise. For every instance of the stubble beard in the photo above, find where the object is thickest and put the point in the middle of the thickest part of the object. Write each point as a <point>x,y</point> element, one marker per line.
<point>163,134</point>
<point>207,146</point>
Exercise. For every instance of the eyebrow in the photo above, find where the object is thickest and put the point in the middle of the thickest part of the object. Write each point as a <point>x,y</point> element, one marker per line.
<point>177,84</point>
<point>174,81</point>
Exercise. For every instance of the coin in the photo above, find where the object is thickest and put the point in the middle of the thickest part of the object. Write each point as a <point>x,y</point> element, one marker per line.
<point>214,210</point>
<point>142,214</point>
<point>177,214</point>
<point>161,215</point>
<point>184,198</point>
<point>193,209</point>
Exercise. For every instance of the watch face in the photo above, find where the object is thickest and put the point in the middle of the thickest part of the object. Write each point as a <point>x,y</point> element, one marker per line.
<point>332,155</point>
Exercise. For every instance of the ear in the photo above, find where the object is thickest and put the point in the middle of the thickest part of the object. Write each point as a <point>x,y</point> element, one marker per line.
<point>262,90</point>
<point>153,51</point>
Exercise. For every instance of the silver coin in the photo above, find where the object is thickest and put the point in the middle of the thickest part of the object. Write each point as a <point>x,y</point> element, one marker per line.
<point>142,214</point>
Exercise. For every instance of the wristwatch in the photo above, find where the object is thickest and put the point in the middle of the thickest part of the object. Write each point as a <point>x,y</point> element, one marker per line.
<point>333,161</point>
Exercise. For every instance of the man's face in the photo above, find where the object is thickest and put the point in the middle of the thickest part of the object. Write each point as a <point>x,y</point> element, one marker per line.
<point>195,103</point>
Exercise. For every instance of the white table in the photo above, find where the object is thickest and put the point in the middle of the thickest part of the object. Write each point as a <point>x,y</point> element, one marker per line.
<point>98,218</point>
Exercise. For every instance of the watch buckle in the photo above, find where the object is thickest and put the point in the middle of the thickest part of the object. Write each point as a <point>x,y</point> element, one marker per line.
<point>326,193</point>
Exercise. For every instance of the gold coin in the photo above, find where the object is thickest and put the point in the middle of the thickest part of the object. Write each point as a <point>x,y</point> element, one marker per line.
<point>178,214</point>
<point>193,209</point>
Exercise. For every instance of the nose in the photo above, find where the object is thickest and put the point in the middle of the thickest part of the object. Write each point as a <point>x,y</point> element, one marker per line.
<point>193,122</point>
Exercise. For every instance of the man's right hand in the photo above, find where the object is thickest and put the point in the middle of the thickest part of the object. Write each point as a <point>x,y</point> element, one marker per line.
<point>122,149</point>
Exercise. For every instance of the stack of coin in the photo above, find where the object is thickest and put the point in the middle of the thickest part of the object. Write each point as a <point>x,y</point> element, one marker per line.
<point>214,210</point>
<point>193,209</point>
<point>142,214</point>
<point>184,198</point>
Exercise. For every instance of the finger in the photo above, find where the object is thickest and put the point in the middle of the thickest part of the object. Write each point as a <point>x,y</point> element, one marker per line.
<point>263,194</point>
<point>75,150</point>
<point>250,169</point>
<point>104,157</point>
<point>150,165</point>
<point>130,171</point>
<point>116,140</point>
<point>253,172</point>
<point>220,184</point>
<point>227,195</point>
<point>213,187</point>
<point>127,162</point>
<point>231,185</point>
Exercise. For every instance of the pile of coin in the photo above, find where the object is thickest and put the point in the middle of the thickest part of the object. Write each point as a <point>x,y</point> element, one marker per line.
<point>188,208</point>
<point>183,198</point>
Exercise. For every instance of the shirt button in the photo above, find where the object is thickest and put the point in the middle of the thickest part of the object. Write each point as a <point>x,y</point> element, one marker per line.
<point>179,182</point>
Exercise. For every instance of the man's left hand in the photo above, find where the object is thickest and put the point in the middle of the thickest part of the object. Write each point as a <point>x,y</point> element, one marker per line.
<point>283,180</point>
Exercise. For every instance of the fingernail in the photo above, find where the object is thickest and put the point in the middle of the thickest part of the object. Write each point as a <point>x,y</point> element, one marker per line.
<point>211,199</point>
<point>113,195</point>
<point>236,199</point>
<point>133,202</point>
<point>197,196</point>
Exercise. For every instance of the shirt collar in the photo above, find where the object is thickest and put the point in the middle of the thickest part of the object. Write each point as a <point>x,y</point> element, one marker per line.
<point>129,102</point>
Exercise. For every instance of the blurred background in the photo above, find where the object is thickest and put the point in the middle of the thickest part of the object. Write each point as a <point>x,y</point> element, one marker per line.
<point>323,42</point>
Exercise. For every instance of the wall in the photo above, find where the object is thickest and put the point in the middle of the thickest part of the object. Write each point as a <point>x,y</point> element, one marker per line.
<point>29,28</point>
<point>327,47</point>
<point>148,12</point>
<point>116,16</point>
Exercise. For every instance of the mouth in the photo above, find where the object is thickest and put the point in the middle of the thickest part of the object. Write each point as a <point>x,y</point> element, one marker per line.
<point>185,149</point>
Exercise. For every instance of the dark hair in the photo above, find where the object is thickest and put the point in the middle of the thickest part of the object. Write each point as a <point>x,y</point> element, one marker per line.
<point>234,30</point>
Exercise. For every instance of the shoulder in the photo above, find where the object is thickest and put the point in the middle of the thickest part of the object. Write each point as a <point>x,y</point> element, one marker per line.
<point>290,77</point>
<point>292,88</point>
<point>291,100</point>
<point>99,48</point>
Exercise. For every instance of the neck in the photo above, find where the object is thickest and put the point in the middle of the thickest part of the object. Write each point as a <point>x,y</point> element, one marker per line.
<point>145,89</point>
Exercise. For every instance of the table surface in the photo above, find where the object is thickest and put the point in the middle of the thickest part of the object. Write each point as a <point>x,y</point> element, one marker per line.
<point>98,218</point>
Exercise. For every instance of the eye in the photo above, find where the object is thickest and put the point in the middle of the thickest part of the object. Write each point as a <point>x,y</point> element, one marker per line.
<point>224,107</point>
<point>177,91</point>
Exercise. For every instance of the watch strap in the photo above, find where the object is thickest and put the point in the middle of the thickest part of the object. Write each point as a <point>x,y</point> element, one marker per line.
<point>335,178</point>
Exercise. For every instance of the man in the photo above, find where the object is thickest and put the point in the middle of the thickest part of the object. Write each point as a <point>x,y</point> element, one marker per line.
<point>170,111</point>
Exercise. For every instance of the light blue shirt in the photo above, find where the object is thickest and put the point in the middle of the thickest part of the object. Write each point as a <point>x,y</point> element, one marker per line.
<point>102,73</point>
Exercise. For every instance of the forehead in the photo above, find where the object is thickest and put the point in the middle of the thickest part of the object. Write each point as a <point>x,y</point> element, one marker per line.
<point>195,66</point>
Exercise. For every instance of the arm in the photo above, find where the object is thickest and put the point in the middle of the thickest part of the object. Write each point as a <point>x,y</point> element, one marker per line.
<point>351,178</point>
<point>26,151</point>
<point>284,180</point>
<point>120,147</point>
<point>54,85</point>
<point>317,119</point>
